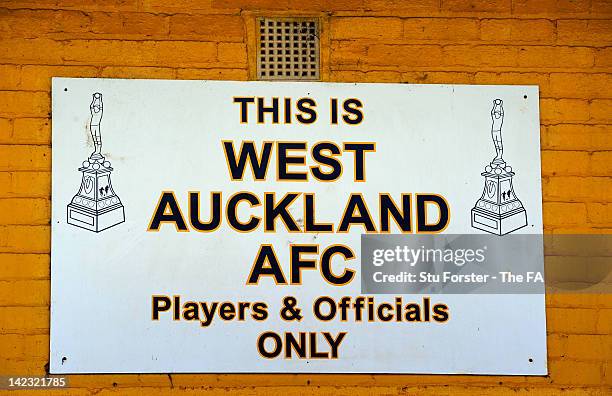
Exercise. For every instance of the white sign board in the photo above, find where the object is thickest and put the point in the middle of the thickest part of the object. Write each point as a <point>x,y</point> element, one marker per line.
<point>209,226</point>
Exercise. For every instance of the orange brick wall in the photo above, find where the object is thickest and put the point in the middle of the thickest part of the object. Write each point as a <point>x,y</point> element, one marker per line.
<point>561,45</point>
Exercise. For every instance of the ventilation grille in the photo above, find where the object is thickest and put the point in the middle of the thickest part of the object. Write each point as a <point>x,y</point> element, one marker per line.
<point>288,49</point>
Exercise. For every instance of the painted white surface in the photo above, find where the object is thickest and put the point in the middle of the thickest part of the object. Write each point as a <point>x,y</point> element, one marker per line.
<point>166,135</point>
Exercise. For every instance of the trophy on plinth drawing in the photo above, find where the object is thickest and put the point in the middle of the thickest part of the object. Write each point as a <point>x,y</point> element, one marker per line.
<point>96,207</point>
<point>498,210</point>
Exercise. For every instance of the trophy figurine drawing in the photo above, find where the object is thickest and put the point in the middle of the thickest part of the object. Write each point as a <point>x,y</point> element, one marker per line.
<point>498,210</point>
<point>96,207</point>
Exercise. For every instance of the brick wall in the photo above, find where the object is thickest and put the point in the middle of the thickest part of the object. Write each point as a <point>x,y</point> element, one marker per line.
<point>561,45</point>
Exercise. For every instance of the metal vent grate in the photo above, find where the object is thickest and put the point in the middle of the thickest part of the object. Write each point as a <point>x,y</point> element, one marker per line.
<point>288,49</point>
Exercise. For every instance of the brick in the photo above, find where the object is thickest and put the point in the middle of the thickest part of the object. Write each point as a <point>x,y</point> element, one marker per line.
<point>127,25</point>
<point>140,53</point>
<point>25,184</point>
<point>564,110</point>
<point>516,30</point>
<point>583,320</point>
<point>557,345</point>
<point>577,189</point>
<point>589,347</point>
<point>347,76</point>
<point>272,5</point>
<point>27,23</point>
<point>441,29</point>
<point>556,57</point>
<point>600,8</point>
<point>579,300</point>
<point>497,6</point>
<point>513,78</point>
<point>207,27</point>
<point>31,51</point>
<point>601,111</point>
<point>232,53</point>
<point>584,32</point>
<point>10,77</point>
<point>600,213</point>
<point>323,5</point>
<point>17,346</point>
<point>6,130</point>
<point>568,372</point>
<point>369,28</point>
<point>603,57</point>
<point>561,213</point>
<point>253,4</point>
<point>581,85</point>
<point>429,77</point>
<point>32,211</point>
<point>138,72</point>
<point>577,137</point>
<point>38,78</point>
<point>86,5</point>
<point>480,55</point>
<point>550,7</point>
<point>24,266</point>
<point>25,239</point>
<point>24,367</point>
<point>601,163</point>
<point>32,293</point>
<point>212,74</point>
<point>122,381</point>
<point>25,158</point>
<point>581,246</point>
<point>24,320</point>
<point>383,76</point>
<point>403,8</point>
<point>29,131</point>
<point>577,273</point>
<point>604,321</point>
<point>565,163</point>
<point>190,6</point>
<point>347,53</point>
<point>370,76</point>
<point>404,55</point>
<point>24,104</point>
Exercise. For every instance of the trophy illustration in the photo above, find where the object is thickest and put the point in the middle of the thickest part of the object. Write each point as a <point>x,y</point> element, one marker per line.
<point>96,207</point>
<point>498,210</point>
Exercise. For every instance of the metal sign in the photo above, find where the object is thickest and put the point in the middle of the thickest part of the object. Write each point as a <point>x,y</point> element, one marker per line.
<point>208,226</point>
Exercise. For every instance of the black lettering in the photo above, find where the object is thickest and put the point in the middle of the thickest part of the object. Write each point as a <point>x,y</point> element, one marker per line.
<point>326,271</point>
<point>305,105</point>
<point>329,160</point>
<point>278,345</point>
<point>160,304</point>
<point>389,209</point>
<point>422,201</point>
<point>362,217</point>
<point>285,160</point>
<point>360,149</point>
<point>297,263</point>
<point>352,107</point>
<point>259,167</point>
<point>262,110</point>
<point>244,107</point>
<point>167,201</point>
<point>310,224</point>
<point>266,255</point>
<point>232,215</point>
<point>280,209</point>
<point>194,212</point>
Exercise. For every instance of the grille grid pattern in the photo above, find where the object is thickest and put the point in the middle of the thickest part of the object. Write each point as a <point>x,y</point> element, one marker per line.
<point>288,49</point>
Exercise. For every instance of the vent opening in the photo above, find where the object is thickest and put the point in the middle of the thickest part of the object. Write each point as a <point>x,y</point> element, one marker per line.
<point>288,49</point>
